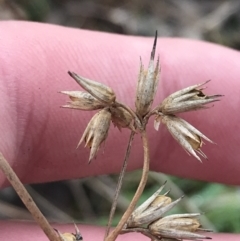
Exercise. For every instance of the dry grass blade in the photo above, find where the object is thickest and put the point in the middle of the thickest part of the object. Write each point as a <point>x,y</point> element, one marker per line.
<point>27,200</point>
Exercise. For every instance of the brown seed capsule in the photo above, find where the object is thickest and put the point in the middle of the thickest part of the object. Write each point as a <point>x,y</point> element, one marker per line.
<point>178,226</point>
<point>96,132</point>
<point>100,91</point>
<point>160,199</point>
<point>187,99</point>
<point>70,236</point>
<point>145,205</point>
<point>147,84</point>
<point>185,134</point>
<point>82,100</point>
<point>121,118</point>
<point>152,209</point>
<point>153,213</point>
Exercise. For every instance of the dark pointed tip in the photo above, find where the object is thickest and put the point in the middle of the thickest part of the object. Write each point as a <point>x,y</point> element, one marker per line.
<point>165,182</point>
<point>89,161</point>
<point>154,46</point>
<point>208,238</point>
<point>71,74</point>
<point>167,192</point>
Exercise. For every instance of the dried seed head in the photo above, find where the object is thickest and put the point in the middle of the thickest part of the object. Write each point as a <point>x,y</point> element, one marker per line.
<point>178,226</point>
<point>82,101</point>
<point>152,209</point>
<point>187,99</point>
<point>96,132</point>
<point>146,204</point>
<point>100,91</point>
<point>147,84</point>
<point>185,134</point>
<point>121,118</point>
<point>70,236</point>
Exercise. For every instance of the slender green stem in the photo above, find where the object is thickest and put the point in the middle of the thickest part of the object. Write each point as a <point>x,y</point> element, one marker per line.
<point>119,184</point>
<point>113,235</point>
<point>27,200</point>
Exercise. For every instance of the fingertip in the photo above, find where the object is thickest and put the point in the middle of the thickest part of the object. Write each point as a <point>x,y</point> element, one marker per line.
<point>34,69</point>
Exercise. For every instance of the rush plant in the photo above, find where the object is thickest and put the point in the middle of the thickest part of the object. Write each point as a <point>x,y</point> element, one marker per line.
<point>148,218</point>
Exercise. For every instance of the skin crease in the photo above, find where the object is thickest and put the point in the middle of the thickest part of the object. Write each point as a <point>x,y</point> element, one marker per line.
<point>38,138</point>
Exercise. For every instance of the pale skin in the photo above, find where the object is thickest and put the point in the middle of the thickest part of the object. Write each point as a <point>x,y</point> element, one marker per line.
<point>38,138</point>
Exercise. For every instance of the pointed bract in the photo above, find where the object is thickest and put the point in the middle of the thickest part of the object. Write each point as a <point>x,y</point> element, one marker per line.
<point>100,91</point>
<point>96,132</point>
<point>147,84</point>
<point>78,235</point>
<point>185,134</point>
<point>146,204</point>
<point>82,100</point>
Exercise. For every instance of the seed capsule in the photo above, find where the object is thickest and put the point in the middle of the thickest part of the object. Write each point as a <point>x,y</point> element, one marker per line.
<point>145,205</point>
<point>121,118</point>
<point>152,209</point>
<point>185,134</point>
<point>96,132</point>
<point>147,84</point>
<point>178,226</point>
<point>100,91</point>
<point>82,100</point>
<point>187,99</point>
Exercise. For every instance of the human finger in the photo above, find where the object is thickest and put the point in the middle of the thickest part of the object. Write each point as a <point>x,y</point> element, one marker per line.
<point>12,230</point>
<point>39,138</point>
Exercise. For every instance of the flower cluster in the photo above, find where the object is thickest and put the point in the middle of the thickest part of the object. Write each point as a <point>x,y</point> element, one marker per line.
<point>187,99</point>
<point>150,220</point>
<point>101,97</point>
<point>98,97</point>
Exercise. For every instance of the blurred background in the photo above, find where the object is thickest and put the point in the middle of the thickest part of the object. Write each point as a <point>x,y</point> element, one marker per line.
<point>89,200</point>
